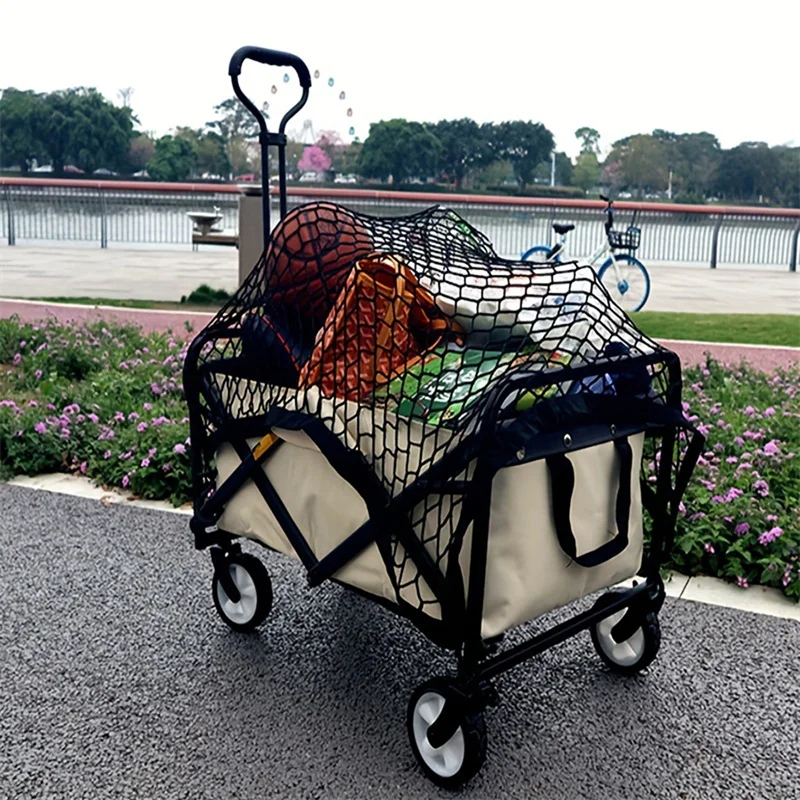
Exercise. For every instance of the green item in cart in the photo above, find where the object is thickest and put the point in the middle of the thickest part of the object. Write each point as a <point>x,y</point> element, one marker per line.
<point>457,386</point>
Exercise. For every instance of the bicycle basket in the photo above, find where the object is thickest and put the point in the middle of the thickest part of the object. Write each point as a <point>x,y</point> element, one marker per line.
<point>627,240</point>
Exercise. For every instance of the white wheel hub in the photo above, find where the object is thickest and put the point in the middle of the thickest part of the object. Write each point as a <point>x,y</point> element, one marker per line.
<point>242,612</point>
<point>448,759</point>
<point>626,653</point>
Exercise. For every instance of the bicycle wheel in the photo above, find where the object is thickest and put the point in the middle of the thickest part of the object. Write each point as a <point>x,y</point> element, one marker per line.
<point>628,284</point>
<point>539,254</point>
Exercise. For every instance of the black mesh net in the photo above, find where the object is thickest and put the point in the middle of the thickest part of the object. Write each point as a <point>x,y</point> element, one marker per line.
<point>394,332</point>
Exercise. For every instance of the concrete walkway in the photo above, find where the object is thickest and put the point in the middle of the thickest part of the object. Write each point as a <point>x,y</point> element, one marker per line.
<point>167,275</point>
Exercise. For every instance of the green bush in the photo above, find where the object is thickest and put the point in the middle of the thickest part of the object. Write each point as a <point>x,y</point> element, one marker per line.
<point>204,295</point>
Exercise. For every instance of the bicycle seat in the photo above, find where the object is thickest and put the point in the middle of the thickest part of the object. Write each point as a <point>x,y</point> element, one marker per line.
<point>562,229</point>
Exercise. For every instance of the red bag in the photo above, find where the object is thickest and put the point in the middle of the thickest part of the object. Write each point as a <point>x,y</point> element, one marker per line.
<point>382,322</point>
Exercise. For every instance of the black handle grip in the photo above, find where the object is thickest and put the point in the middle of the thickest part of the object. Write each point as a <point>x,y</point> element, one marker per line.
<point>604,198</point>
<point>275,58</point>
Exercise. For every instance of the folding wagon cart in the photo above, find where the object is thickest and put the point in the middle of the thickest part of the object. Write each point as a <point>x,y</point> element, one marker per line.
<point>469,441</point>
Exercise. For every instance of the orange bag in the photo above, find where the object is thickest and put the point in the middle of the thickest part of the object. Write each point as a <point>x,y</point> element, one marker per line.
<point>382,322</point>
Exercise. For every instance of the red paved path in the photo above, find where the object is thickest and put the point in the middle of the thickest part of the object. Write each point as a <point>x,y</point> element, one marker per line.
<point>766,358</point>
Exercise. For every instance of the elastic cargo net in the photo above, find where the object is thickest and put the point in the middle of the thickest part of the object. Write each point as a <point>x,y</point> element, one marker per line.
<point>394,332</point>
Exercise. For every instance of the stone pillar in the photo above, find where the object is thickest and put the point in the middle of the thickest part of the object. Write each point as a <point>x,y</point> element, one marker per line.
<point>251,239</point>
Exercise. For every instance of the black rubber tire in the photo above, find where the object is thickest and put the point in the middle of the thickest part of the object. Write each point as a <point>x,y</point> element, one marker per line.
<point>651,629</point>
<point>263,586</point>
<point>472,725</point>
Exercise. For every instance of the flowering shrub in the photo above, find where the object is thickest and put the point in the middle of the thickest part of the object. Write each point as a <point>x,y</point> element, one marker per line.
<point>106,401</point>
<point>741,518</point>
<point>98,399</point>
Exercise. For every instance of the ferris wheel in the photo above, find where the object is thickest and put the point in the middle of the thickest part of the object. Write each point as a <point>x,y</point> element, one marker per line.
<point>328,108</point>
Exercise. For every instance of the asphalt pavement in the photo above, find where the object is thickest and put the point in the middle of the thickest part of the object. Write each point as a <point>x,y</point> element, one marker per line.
<point>117,680</point>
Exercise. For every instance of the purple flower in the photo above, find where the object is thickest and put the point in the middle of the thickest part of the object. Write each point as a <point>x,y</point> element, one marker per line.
<point>32,404</point>
<point>179,449</point>
<point>156,389</point>
<point>682,509</point>
<point>93,418</point>
<point>37,374</point>
<point>40,427</point>
<point>166,467</point>
<point>769,412</point>
<point>709,548</point>
<point>733,493</point>
<point>770,536</point>
<point>105,434</point>
<point>42,346</point>
<point>697,516</point>
<point>119,417</point>
<point>126,480</point>
<point>83,467</point>
<point>731,459</point>
<point>123,365</point>
<point>742,582</point>
<point>148,406</point>
<point>761,487</point>
<point>125,456</point>
<point>145,462</point>
<point>22,344</point>
<point>133,415</point>
<point>703,430</point>
<point>152,451</point>
<point>742,528</point>
<point>770,448</point>
<point>107,455</point>
<point>141,427</point>
<point>738,441</point>
<point>17,358</point>
<point>749,411</point>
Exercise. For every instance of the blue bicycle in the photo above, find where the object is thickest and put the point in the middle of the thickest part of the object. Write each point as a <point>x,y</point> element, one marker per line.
<point>623,275</point>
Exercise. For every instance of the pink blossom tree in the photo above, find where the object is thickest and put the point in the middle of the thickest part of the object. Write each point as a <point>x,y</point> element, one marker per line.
<point>314,159</point>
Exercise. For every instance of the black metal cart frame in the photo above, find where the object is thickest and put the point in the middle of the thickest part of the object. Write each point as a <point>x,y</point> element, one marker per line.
<point>547,431</point>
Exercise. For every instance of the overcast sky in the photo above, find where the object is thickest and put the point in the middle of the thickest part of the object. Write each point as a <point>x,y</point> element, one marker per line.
<point>622,67</point>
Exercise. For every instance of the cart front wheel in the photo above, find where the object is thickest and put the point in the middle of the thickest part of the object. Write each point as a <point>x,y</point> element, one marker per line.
<point>632,654</point>
<point>453,762</point>
<point>251,580</point>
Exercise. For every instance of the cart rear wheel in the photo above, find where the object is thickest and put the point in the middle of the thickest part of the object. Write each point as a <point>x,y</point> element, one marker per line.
<point>251,578</point>
<point>458,759</point>
<point>634,653</point>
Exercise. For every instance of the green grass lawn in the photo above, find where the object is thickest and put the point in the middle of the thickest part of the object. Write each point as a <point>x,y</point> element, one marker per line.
<point>776,329</point>
<point>162,305</point>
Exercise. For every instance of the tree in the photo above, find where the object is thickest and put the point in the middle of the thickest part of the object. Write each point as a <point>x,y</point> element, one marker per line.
<point>140,152</point>
<point>587,171</point>
<point>174,159</point>
<point>589,138</point>
<point>314,160</point>
<point>212,159</point>
<point>21,128</point>
<point>564,170</point>
<point>399,149</point>
<point>465,145</point>
<point>235,125</point>
<point>525,145</point>
<point>80,125</point>
<point>645,162</point>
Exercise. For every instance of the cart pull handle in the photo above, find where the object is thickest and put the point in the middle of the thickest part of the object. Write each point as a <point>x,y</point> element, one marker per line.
<point>562,478</point>
<point>275,58</point>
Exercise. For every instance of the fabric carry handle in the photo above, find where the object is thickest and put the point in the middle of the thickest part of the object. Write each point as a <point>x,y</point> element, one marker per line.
<point>562,479</point>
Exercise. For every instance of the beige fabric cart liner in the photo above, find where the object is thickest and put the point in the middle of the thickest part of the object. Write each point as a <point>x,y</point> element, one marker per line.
<point>527,573</point>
